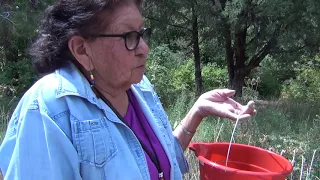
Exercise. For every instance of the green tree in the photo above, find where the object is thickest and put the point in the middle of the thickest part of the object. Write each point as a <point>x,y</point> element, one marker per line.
<point>179,22</point>
<point>18,25</point>
<point>246,31</point>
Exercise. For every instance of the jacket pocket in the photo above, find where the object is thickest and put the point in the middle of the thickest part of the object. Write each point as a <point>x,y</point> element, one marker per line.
<point>93,141</point>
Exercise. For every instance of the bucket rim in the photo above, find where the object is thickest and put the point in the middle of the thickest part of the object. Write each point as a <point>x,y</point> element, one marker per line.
<point>287,170</point>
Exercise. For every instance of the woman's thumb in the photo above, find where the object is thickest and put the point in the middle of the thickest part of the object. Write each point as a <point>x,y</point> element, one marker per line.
<point>228,92</point>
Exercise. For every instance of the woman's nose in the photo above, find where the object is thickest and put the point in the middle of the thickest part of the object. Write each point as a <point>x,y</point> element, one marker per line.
<point>143,47</point>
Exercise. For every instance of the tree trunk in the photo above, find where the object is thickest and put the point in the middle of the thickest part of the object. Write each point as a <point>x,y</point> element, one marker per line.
<point>239,65</point>
<point>229,53</point>
<point>240,59</point>
<point>237,83</point>
<point>196,53</point>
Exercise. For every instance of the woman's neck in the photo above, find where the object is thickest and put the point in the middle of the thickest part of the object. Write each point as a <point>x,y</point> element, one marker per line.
<point>118,99</point>
<point>117,96</point>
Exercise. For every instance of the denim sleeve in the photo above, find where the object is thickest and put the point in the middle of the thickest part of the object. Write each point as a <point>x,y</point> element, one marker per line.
<point>183,164</point>
<point>36,148</point>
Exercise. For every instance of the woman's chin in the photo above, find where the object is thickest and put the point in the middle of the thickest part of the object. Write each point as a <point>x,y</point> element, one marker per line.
<point>137,78</point>
<point>138,74</point>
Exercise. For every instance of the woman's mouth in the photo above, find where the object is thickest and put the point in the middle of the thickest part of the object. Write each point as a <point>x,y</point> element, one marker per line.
<point>142,66</point>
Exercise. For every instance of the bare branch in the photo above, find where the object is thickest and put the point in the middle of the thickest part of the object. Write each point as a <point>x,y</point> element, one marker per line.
<point>217,4</point>
<point>256,59</point>
<point>289,50</point>
<point>7,19</point>
<point>252,39</point>
<point>183,16</point>
<point>176,11</point>
<point>173,25</point>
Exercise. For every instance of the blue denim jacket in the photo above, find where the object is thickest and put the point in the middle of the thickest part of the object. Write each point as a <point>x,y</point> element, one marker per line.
<point>61,130</point>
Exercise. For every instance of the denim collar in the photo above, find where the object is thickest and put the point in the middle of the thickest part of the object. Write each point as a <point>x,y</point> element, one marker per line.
<point>73,83</point>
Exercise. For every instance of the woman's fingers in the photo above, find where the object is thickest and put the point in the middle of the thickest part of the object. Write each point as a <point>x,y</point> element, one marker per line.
<point>219,95</point>
<point>249,108</point>
<point>226,110</point>
<point>235,115</point>
<point>218,103</point>
<point>235,110</point>
<point>226,92</point>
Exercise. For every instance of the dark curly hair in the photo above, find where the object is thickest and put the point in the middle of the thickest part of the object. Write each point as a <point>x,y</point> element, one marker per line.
<point>62,20</point>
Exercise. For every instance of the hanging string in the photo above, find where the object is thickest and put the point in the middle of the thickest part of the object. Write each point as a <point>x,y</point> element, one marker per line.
<point>232,137</point>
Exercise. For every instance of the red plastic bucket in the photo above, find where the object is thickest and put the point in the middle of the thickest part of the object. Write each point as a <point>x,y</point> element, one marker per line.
<point>244,163</point>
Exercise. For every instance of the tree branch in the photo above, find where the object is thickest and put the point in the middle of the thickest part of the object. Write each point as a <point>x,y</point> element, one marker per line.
<point>252,39</point>
<point>176,11</point>
<point>7,19</point>
<point>173,25</point>
<point>256,59</point>
<point>282,51</point>
<point>217,4</point>
<point>183,16</point>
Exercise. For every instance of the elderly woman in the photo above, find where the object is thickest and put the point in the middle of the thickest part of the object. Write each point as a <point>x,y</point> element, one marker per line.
<point>95,115</point>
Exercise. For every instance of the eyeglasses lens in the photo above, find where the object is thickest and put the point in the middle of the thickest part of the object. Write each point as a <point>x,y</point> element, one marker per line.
<point>133,38</point>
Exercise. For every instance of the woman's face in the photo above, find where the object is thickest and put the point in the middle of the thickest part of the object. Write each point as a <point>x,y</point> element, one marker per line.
<point>113,64</point>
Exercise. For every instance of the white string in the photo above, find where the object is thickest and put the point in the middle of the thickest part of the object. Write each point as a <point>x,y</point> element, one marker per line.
<point>293,162</point>
<point>234,129</point>
<point>309,174</point>
<point>301,172</point>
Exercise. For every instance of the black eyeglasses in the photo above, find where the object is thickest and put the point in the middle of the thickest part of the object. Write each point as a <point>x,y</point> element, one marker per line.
<point>132,38</point>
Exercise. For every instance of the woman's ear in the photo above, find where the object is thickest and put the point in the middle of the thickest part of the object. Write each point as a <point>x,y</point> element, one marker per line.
<point>81,51</point>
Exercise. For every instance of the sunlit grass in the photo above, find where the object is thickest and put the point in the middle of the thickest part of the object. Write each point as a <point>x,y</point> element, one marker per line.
<point>6,106</point>
<point>4,118</point>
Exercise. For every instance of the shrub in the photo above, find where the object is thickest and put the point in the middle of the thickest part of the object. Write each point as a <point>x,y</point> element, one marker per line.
<point>162,65</point>
<point>183,77</point>
<point>18,77</point>
<point>272,75</point>
<point>249,94</point>
<point>172,74</point>
<point>214,76</point>
<point>305,87</point>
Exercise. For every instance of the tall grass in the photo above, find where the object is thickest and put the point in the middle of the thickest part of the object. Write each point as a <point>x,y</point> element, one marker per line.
<point>291,129</point>
<point>6,106</point>
<point>4,118</point>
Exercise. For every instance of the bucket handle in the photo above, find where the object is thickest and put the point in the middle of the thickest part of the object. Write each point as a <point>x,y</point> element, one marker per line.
<point>193,148</point>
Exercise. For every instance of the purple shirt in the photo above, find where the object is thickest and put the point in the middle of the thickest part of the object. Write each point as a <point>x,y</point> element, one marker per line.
<point>132,117</point>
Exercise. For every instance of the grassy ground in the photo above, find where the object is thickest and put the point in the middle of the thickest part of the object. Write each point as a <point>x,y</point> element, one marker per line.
<point>287,128</point>
<point>6,106</point>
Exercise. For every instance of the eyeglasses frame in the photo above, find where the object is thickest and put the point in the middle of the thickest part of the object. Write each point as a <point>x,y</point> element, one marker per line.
<point>124,36</point>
